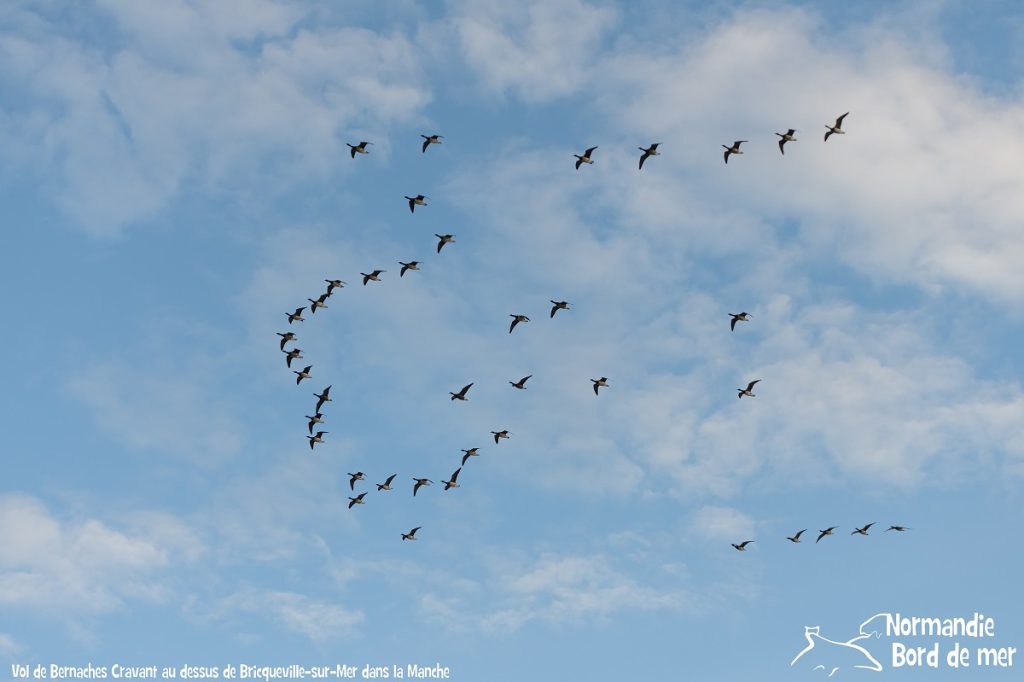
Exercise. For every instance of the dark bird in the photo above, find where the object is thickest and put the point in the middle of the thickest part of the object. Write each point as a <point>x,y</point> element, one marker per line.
<point>358,148</point>
<point>743,545</point>
<point>461,395</point>
<point>318,438</point>
<point>292,354</point>
<point>318,303</point>
<point>748,391</point>
<point>449,484</point>
<point>823,533</point>
<point>430,139</point>
<point>500,434</point>
<point>411,535</point>
<point>599,383</point>
<point>796,538</point>
<point>411,265</point>
<point>521,383</point>
<point>358,499</point>
<point>296,316</point>
<point>898,529</point>
<point>516,319</point>
<point>322,398</point>
<point>420,482</point>
<point>286,337</point>
<point>357,476</point>
<point>734,149</point>
<point>585,158</point>
<point>650,151</point>
<point>415,201</point>
<point>304,374</point>
<point>333,284</point>
<point>837,128</point>
<point>784,138</point>
<point>742,317</point>
<point>558,305</point>
<point>472,452</point>
<point>864,530</point>
<point>373,276</point>
<point>445,239</point>
<point>315,419</point>
<point>386,485</point>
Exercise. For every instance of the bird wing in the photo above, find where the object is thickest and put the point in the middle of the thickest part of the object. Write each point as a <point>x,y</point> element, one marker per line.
<point>732,324</point>
<point>589,152</point>
<point>389,479</point>
<point>797,536</point>
<point>465,389</point>
<point>726,154</point>
<point>353,151</point>
<point>523,380</point>
<point>413,531</point>
<point>643,157</point>
<point>820,536</point>
<point>412,206</point>
<point>455,475</point>
<point>426,142</point>
<point>782,145</point>
<point>579,160</point>
<point>750,386</point>
<point>495,437</point>
<point>596,387</point>
<point>513,325</point>
<point>839,121</point>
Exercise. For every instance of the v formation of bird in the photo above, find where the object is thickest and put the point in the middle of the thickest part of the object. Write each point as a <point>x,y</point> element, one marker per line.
<point>317,418</point>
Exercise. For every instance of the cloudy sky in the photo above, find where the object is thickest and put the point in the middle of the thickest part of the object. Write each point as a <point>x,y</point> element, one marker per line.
<point>175,178</point>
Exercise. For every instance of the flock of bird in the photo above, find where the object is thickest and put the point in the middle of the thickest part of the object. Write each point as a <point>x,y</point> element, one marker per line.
<point>320,302</point>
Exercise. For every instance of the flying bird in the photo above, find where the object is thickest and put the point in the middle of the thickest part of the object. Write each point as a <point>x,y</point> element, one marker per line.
<point>558,305</point>
<point>318,438</point>
<point>500,434</point>
<point>373,276</point>
<point>386,485</point>
<point>650,151</point>
<point>599,383</point>
<point>318,303</point>
<point>748,391</point>
<point>585,158</point>
<point>445,239</point>
<point>429,140</point>
<point>357,476</point>
<point>315,419</point>
<point>743,545</point>
<point>304,374</point>
<point>296,316</point>
<point>823,533</point>
<point>292,354</point>
<point>286,337</point>
<point>521,383</point>
<point>898,529</point>
<point>358,148</point>
<point>420,482</point>
<point>333,284</point>
<point>796,538</point>
<point>415,201</point>
<point>411,265</point>
<point>784,138</point>
<point>322,398</point>
<point>411,535</point>
<point>742,317</point>
<point>734,149</point>
<point>864,530</point>
<point>358,499</point>
<point>449,484</point>
<point>472,452</point>
<point>516,320</point>
<point>837,128</point>
<point>461,395</point>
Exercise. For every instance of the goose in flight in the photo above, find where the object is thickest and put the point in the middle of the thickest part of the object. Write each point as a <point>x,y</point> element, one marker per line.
<point>322,398</point>
<point>411,265</point>
<point>748,391</point>
<point>500,434</point>
<point>357,476</point>
<point>864,530</point>
<point>558,305</point>
<point>837,128</point>
<point>358,499</point>
<point>318,438</point>
<point>796,538</point>
<point>742,317</point>
<point>304,374</point>
<point>898,529</point>
<point>599,384</point>
<point>445,239</point>
<point>734,149</point>
<point>521,384</point>
<point>650,151</point>
<point>415,201</point>
<point>286,337</point>
<point>449,484</point>
<point>333,284</point>
<point>461,395</point>
<point>358,148</point>
<point>292,354</point>
<point>516,320</point>
<point>784,138</point>
<point>472,452</point>
<point>429,140</point>
<point>823,533</point>
<point>372,277</point>
<point>420,482</point>
<point>411,535</point>
<point>318,303</point>
<point>585,158</point>
<point>317,418</point>
<point>386,485</point>
<point>296,316</point>
<point>743,545</point>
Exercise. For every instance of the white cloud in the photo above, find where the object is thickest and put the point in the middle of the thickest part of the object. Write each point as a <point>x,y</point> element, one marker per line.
<point>722,524</point>
<point>318,620</point>
<point>8,645</point>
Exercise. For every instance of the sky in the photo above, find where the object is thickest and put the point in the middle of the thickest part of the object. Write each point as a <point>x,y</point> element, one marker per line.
<point>175,179</point>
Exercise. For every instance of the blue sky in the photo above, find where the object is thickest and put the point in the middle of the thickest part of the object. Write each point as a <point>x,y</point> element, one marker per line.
<point>175,179</point>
